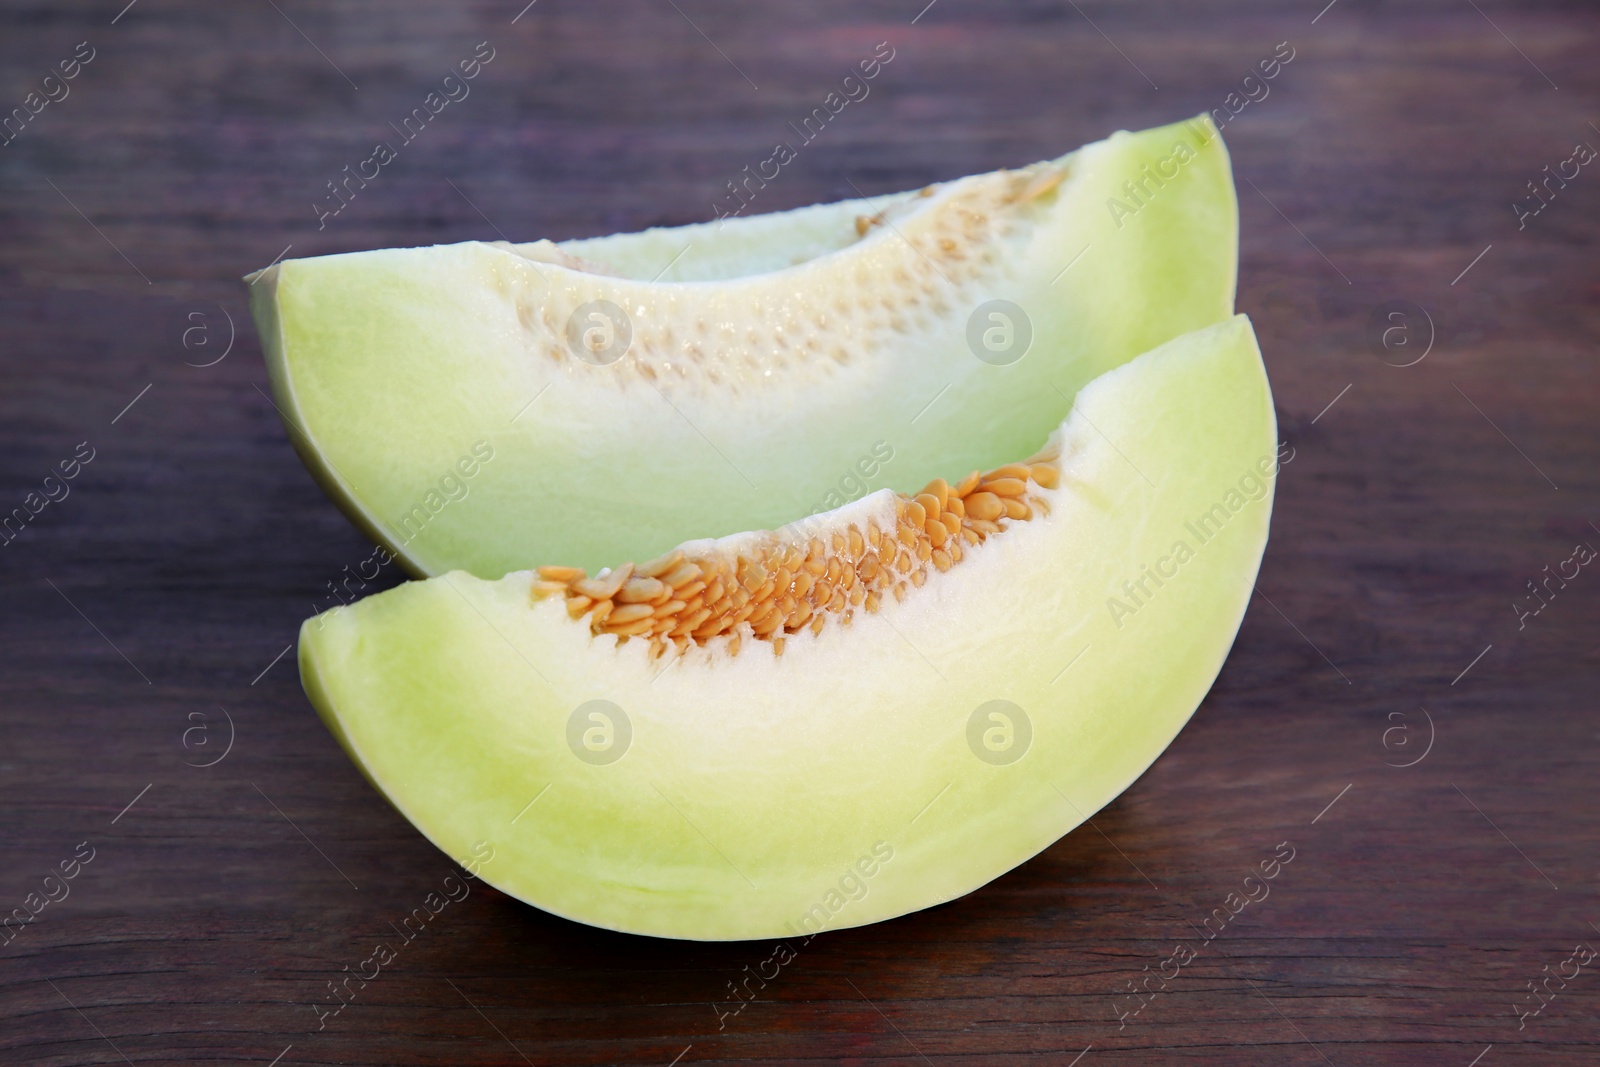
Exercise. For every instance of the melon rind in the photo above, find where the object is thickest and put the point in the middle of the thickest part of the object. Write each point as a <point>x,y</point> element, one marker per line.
<point>754,785</point>
<point>392,367</point>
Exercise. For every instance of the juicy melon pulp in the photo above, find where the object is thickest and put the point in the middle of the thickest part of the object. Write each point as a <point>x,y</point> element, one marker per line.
<point>453,401</point>
<point>899,754</point>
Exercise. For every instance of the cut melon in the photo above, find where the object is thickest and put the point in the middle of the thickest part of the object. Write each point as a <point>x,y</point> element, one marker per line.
<point>487,406</point>
<point>865,713</point>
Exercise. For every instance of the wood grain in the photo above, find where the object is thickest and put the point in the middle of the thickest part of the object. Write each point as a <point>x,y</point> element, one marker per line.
<point>1383,163</point>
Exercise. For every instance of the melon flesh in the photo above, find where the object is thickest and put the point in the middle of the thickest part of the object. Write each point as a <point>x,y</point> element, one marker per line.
<point>773,359</point>
<point>841,782</point>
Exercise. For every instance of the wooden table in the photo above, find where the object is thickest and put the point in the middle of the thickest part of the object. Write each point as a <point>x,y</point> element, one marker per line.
<point>156,602</point>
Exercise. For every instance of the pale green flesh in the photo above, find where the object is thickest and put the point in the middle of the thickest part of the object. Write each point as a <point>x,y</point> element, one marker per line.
<point>391,366</point>
<point>754,783</point>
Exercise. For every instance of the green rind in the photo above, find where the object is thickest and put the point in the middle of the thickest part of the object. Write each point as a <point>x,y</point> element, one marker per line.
<point>263,294</point>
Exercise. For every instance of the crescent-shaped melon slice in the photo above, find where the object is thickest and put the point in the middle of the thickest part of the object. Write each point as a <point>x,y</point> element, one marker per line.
<point>487,406</point>
<point>856,716</point>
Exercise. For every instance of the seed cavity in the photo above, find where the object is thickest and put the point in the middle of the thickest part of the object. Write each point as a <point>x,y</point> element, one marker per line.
<point>951,250</point>
<point>783,584</point>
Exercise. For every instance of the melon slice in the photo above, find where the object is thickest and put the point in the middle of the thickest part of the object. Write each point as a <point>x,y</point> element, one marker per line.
<point>861,714</point>
<point>484,407</point>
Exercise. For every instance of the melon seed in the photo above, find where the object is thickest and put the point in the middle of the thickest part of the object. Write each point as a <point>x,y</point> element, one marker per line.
<point>639,590</point>
<point>984,506</point>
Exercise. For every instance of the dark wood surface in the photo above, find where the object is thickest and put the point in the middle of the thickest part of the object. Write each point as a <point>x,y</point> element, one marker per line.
<point>1384,162</point>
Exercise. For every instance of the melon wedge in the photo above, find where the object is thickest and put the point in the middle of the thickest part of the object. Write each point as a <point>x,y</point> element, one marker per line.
<point>464,404</point>
<point>857,760</point>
